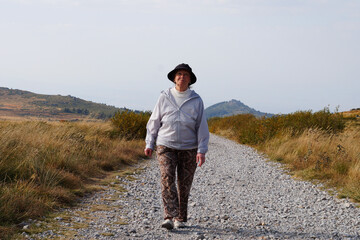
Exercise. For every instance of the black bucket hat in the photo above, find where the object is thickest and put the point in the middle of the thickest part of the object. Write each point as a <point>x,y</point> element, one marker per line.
<point>182,66</point>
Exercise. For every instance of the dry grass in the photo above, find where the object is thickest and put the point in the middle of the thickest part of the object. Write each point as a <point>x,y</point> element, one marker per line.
<point>45,165</point>
<point>331,158</point>
<point>315,146</point>
<point>352,114</point>
<point>247,129</point>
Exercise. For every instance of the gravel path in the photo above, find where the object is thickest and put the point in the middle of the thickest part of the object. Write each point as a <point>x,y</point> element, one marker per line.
<point>236,194</point>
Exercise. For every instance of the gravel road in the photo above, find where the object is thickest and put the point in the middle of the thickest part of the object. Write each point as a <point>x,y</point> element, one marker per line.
<point>236,194</point>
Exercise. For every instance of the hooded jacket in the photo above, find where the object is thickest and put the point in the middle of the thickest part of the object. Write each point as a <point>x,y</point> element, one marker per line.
<point>179,127</point>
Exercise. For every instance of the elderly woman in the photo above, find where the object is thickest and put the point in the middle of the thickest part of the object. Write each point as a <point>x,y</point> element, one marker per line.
<point>179,130</point>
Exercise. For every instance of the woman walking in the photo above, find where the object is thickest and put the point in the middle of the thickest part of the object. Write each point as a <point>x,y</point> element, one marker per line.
<point>179,130</point>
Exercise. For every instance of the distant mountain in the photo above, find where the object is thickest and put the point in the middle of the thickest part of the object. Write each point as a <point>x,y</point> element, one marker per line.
<point>230,108</point>
<point>16,103</point>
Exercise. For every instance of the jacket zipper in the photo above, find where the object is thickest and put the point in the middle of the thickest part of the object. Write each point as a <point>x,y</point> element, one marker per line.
<point>178,109</point>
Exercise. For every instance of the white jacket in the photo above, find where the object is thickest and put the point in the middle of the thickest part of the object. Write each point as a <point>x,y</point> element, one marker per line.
<point>180,128</point>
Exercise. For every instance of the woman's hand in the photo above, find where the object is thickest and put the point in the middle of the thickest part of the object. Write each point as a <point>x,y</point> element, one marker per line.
<point>148,152</point>
<point>200,159</point>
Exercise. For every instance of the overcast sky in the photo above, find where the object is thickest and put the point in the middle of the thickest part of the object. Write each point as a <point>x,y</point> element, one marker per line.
<point>277,56</point>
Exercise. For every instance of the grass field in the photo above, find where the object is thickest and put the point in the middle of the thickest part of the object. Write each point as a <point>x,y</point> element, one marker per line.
<point>46,165</point>
<point>319,146</point>
<point>352,114</point>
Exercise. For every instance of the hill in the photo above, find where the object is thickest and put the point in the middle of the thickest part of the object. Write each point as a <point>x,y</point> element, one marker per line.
<point>233,107</point>
<point>16,103</point>
<point>353,113</point>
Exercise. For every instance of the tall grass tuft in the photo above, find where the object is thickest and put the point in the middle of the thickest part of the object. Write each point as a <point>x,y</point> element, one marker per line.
<point>320,145</point>
<point>44,165</point>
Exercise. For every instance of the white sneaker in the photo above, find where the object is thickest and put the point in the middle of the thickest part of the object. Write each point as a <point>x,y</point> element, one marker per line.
<point>179,224</point>
<point>168,224</point>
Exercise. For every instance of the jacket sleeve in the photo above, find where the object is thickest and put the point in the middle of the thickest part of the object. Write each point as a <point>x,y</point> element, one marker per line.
<point>153,125</point>
<point>202,131</point>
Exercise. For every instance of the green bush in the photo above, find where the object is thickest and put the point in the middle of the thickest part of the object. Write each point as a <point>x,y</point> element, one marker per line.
<point>130,125</point>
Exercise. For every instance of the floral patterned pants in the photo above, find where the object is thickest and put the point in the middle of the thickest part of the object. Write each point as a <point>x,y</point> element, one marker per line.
<point>182,162</point>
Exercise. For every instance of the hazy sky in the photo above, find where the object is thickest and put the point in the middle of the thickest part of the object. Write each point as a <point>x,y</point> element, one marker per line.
<point>277,56</point>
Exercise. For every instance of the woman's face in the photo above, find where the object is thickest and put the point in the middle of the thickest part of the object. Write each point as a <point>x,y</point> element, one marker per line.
<point>182,80</point>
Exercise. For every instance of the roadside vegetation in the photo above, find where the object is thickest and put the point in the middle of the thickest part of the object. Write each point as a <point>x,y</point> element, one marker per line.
<point>129,124</point>
<point>47,165</point>
<point>320,146</point>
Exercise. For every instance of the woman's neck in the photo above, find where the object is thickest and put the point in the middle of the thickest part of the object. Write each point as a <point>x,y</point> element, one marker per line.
<point>181,89</point>
<point>180,93</point>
